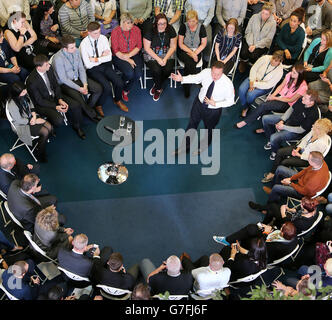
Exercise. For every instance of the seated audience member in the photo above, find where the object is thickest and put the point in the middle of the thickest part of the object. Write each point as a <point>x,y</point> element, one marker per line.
<point>285,95</point>
<point>23,40</point>
<point>141,292</point>
<point>11,169</point>
<point>318,56</point>
<point>115,275</point>
<point>205,11</point>
<point>45,24</point>
<point>291,125</point>
<point>192,41</point>
<point>258,36</point>
<point>45,92</point>
<point>21,281</point>
<point>126,44</point>
<point>167,277</point>
<point>303,217</point>
<point>282,10</point>
<point>71,75</point>
<point>25,204</point>
<point>324,87</point>
<point>290,39</point>
<point>74,17</point>
<point>242,262</point>
<point>227,43</point>
<point>172,9</point>
<point>81,258</point>
<point>26,120</point>
<point>97,56</point>
<point>105,14</point>
<point>140,10</point>
<point>226,10</point>
<point>264,75</point>
<point>297,155</point>
<point>309,181</point>
<point>159,46</point>
<point>208,273</point>
<point>302,286</point>
<point>318,17</point>
<point>48,234</point>
<point>7,7</point>
<point>277,244</point>
<point>10,71</point>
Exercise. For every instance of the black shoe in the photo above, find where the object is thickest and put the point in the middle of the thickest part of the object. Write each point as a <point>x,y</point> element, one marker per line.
<point>53,134</point>
<point>256,206</point>
<point>96,119</point>
<point>80,133</point>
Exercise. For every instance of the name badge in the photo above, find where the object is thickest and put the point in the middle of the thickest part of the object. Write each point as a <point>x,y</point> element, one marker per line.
<point>283,3</point>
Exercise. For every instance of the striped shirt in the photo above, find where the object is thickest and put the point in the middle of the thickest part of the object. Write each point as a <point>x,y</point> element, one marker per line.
<point>227,44</point>
<point>165,4</point>
<point>73,21</point>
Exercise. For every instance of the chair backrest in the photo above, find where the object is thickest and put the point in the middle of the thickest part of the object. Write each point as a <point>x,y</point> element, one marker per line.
<point>249,278</point>
<point>35,246</point>
<point>12,217</point>
<point>326,186</point>
<point>114,292</point>
<point>319,218</point>
<point>3,195</point>
<point>284,258</point>
<point>9,295</point>
<point>9,117</point>
<point>173,297</point>
<point>212,50</point>
<point>73,276</point>
<point>233,70</point>
<point>328,146</point>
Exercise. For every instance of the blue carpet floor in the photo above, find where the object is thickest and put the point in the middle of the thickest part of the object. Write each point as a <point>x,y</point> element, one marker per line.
<point>161,209</point>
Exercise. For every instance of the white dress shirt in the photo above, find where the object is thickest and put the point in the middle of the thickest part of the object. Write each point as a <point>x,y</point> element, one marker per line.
<point>223,92</point>
<point>208,280</point>
<point>87,49</point>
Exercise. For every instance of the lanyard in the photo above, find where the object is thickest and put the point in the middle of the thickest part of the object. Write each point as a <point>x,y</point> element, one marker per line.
<point>72,63</point>
<point>127,40</point>
<point>317,53</point>
<point>102,9</point>
<point>93,47</point>
<point>162,41</point>
<point>262,26</point>
<point>266,73</point>
<point>79,14</point>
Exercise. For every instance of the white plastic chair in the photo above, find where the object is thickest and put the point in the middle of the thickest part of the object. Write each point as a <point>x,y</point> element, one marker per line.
<point>16,145</point>
<point>290,255</point>
<point>73,276</point>
<point>173,297</point>
<point>249,278</point>
<point>319,218</point>
<point>9,295</point>
<point>318,193</point>
<point>114,293</point>
<point>12,217</point>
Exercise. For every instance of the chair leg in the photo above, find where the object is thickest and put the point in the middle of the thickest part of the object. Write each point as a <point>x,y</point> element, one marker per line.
<point>13,236</point>
<point>31,151</point>
<point>141,82</point>
<point>6,223</point>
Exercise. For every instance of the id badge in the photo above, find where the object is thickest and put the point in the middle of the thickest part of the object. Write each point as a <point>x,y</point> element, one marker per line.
<point>283,3</point>
<point>160,52</point>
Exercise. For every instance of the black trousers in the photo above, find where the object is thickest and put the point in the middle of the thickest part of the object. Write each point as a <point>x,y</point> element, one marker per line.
<point>210,118</point>
<point>244,234</point>
<point>284,157</point>
<point>228,66</point>
<point>87,105</point>
<point>103,74</point>
<point>43,131</point>
<point>74,113</point>
<point>273,211</point>
<point>252,56</point>
<point>188,265</point>
<point>160,74</point>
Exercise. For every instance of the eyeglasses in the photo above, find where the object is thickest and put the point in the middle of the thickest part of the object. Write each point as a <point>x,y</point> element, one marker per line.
<point>162,23</point>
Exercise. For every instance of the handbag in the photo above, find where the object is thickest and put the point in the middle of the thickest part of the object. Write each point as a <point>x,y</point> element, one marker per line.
<point>322,253</point>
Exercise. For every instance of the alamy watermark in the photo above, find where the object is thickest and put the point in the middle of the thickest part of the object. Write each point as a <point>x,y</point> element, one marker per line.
<point>161,148</point>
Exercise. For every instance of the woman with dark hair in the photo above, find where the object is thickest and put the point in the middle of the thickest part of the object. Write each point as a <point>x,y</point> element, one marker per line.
<point>285,95</point>
<point>243,262</point>
<point>227,43</point>
<point>26,121</point>
<point>192,41</point>
<point>290,39</point>
<point>159,46</point>
<point>302,217</point>
<point>45,24</point>
<point>23,40</point>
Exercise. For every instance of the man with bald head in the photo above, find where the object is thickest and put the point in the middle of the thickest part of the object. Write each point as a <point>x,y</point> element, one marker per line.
<point>168,277</point>
<point>12,169</point>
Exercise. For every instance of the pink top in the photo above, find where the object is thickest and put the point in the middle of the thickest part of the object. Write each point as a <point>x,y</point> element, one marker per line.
<point>289,93</point>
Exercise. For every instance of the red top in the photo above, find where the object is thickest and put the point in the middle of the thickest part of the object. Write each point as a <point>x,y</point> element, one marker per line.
<point>121,39</point>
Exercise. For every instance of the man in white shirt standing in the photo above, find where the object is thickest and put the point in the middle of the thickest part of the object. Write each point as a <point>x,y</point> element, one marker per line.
<point>96,54</point>
<point>217,92</point>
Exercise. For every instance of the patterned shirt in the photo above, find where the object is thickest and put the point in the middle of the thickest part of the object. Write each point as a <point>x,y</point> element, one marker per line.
<point>227,44</point>
<point>164,5</point>
<point>126,41</point>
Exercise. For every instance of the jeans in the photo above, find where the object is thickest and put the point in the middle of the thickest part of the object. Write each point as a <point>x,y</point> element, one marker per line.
<point>277,138</point>
<point>14,77</point>
<point>328,207</point>
<point>5,243</point>
<point>280,191</point>
<point>248,97</point>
